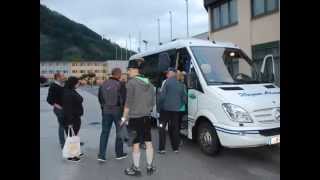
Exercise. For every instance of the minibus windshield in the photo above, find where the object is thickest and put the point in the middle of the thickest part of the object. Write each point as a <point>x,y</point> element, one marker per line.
<point>220,65</point>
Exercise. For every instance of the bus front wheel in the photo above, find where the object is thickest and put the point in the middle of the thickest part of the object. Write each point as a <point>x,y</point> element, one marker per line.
<point>208,139</point>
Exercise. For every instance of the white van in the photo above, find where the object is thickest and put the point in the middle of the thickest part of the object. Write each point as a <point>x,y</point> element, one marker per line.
<point>231,102</point>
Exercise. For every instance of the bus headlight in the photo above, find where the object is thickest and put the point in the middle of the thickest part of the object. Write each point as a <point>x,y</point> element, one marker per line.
<point>237,113</point>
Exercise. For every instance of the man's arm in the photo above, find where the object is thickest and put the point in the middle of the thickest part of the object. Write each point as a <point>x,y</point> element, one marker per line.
<point>129,102</point>
<point>50,97</point>
<point>100,97</point>
<point>67,108</point>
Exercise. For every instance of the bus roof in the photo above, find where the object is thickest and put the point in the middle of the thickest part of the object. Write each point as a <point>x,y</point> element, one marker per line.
<point>180,43</point>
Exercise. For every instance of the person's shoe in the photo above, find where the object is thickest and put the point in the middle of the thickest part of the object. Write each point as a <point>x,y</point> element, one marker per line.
<point>101,159</point>
<point>150,170</point>
<point>81,143</point>
<point>123,156</point>
<point>81,155</point>
<point>132,171</point>
<point>74,159</point>
<point>161,151</point>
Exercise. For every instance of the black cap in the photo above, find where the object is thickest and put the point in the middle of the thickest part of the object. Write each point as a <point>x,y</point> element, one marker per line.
<point>133,64</point>
<point>171,69</point>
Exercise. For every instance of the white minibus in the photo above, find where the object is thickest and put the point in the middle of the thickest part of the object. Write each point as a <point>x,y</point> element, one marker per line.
<point>232,101</point>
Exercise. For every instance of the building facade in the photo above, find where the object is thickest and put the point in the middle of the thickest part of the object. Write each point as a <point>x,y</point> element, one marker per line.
<point>48,69</point>
<point>102,69</point>
<point>99,68</point>
<point>254,25</point>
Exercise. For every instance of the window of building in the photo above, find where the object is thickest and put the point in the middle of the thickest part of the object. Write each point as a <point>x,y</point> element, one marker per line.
<point>263,7</point>
<point>74,71</point>
<point>259,51</point>
<point>96,71</point>
<point>104,71</point>
<point>82,71</point>
<point>66,72</point>
<point>224,14</point>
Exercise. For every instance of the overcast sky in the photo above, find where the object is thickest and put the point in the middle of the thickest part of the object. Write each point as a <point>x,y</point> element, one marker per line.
<point>115,19</point>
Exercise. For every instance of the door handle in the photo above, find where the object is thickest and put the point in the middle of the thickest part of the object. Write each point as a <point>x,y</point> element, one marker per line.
<point>192,96</point>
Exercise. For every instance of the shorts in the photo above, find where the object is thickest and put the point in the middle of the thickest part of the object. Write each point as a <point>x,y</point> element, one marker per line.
<point>140,129</point>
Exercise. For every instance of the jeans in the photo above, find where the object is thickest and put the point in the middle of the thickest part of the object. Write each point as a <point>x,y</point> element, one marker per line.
<point>59,114</point>
<point>171,118</point>
<point>107,120</point>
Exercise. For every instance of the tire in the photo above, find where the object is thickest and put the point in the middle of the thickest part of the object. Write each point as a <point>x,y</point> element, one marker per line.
<point>208,139</point>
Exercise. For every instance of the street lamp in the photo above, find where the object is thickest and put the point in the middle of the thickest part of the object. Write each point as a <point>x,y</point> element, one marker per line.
<point>146,43</point>
<point>170,25</point>
<point>159,30</point>
<point>187,17</point>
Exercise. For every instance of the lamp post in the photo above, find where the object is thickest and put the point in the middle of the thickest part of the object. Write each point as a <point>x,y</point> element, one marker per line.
<point>158,30</point>
<point>187,18</point>
<point>146,43</point>
<point>170,25</point>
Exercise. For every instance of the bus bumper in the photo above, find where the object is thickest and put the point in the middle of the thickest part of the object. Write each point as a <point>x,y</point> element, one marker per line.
<point>242,139</point>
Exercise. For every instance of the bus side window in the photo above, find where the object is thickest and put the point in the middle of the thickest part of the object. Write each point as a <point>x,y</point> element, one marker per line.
<point>150,69</point>
<point>183,60</point>
<point>193,81</point>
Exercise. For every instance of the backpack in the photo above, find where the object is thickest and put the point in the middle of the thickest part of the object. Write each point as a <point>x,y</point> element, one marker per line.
<point>111,93</point>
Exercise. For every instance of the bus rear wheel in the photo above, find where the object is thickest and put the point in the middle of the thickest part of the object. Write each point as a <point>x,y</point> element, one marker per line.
<point>208,139</point>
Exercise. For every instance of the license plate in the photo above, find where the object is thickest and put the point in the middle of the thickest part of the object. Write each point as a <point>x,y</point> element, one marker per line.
<point>274,140</point>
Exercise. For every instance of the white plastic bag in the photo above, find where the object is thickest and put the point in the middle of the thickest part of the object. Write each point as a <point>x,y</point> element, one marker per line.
<point>71,147</point>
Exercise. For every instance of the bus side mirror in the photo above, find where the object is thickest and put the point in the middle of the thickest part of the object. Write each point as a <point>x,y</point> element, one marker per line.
<point>164,62</point>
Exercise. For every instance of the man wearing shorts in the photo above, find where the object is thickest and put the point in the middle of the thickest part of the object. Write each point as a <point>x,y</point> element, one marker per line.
<point>139,104</point>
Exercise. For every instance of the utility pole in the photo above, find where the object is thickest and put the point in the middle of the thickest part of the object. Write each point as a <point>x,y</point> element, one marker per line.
<point>187,18</point>
<point>126,50</point>
<point>130,44</point>
<point>159,30</point>
<point>139,50</point>
<point>170,25</point>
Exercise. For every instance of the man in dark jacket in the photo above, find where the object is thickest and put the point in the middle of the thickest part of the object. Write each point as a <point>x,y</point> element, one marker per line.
<point>172,97</point>
<point>111,97</point>
<point>54,98</point>
<point>140,101</point>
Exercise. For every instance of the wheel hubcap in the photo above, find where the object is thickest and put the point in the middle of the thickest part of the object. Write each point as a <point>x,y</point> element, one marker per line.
<point>206,138</point>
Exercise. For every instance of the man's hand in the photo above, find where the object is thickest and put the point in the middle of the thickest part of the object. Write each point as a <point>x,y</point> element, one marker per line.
<point>57,106</point>
<point>123,121</point>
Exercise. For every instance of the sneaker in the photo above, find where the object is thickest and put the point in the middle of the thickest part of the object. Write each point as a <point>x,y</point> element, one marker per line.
<point>74,159</point>
<point>123,156</point>
<point>81,143</point>
<point>150,170</point>
<point>161,151</point>
<point>101,159</point>
<point>176,151</point>
<point>132,171</point>
<point>81,155</point>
